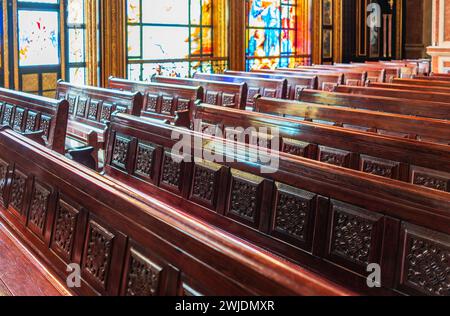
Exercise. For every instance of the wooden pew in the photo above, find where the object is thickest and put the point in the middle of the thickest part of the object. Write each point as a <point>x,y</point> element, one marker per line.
<point>436,110</point>
<point>39,118</point>
<point>409,87</point>
<point>416,82</point>
<point>295,83</point>
<point>351,77</point>
<point>273,88</point>
<point>432,78</point>
<point>127,244</point>
<point>162,101</point>
<point>306,211</point>
<point>366,152</point>
<point>214,92</point>
<point>396,93</point>
<point>403,126</point>
<point>373,75</point>
<point>390,72</point>
<point>324,79</point>
<point>90,110</point>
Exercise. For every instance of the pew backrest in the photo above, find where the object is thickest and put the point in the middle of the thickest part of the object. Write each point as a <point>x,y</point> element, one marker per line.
<point>436,110</point>
<point>417,82</point>
<point>295,83</point>
<point>128,246</point>
<point>273,88</point>
<point>160,101</point>
<point>352,77</point>
<point>325,80</point>
<point>398,86</point>
<point>384,156</point>
<point>214,92</point>
<point>28,113</point>
<point>303,205</point>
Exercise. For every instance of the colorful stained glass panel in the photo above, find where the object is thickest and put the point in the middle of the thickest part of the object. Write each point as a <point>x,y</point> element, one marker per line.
<point>38,38</point>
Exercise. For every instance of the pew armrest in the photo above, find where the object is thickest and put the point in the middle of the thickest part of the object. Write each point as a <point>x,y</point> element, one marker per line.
<point>83,156</point>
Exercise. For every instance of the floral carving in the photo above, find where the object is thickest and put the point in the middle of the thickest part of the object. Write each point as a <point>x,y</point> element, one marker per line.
<point>105,116</point>
<point>7,116</point>
<point>270,93</point>
<point>352,236</point>
<point>183,105</point>
<point>72,103</point>
<point>333,157</point>
<point>228,100</point>
<point>18,119</point>
<point>45,125</point>
<point>144,159</point>
<point>66,220</point>
<point>98,253</point>
<point>212,98</point>
<point>203,187</point>
<point>152,102</point>
<point>244,199</point>
<point>428,267</point>
<point>379,169</point>
<point>120,152</point>
<point>171,171</point>
<point>93,110</point>
<point>82,105</point>
<point>167,105</point>
<point>292,215</point>
<point>39,206</point>
<point>17,191</point>
<point>30,125</point>
<point>143,276</point>
<point>431,182</point>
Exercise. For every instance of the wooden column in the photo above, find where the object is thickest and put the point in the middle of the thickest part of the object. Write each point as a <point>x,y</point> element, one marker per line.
<point>91,43</point>
<point>237,37</point>
<point>113,39</point>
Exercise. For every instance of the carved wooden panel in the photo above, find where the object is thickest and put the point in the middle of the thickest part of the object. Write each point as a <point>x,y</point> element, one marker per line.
<point>244,197</point>
<point>38,210</point>
<point>45,124</point>
<point>212,97</point>
<point>167,105</point>
<point>17,192</point>
<point>4,169</point>
<point>66,220</point>
<point>298,91</point>
<point>18,119</point>
<point>144,160</point>
<point>152,102</point>
<point>335,157</point>
<point>270,93</point>
<point>105,115</point>
<point>380,167</point>
<point>31,123</point>
<point>82,106</point>
<point>143,276</point>
<point>120,151</point>
<point>171,172</point>
<point>98,253</point>
<point>93,110</point>
<point>204,183</point>
<point>183,104</point>
<point>353,232</point>
<point>292,213</point>
<point>228,100</point>
<point>430,178</point>
<point>72,103</point>
<point>252,92</point>
<point>425,262</point>
<point>7,115</point>
<point>295,147</point>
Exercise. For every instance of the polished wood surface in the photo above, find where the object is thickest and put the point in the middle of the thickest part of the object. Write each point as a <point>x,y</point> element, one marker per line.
<point>21,274</point>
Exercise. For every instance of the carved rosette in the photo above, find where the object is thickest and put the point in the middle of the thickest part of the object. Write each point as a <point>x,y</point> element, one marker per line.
<point>7,116</point>
<point>183,105</point>
<point>333,156</point>
<point>228,100</point>
<point>72,103</point>
<point>152,102</point>
<point>167,104</point>
<point>105,115</point>
<point>82,105</point>
<point>428,267</point>
<point>30,125</point>
<point>244,197</point>
<point>143,276</point>
<point>431,182</point>
<point>45,125</point>
<point>18,119</point>
<point>212,98</point>
<point>98,253</point>
<point>93,110</point>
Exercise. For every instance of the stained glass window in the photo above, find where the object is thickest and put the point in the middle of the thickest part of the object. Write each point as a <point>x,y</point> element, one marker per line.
<point>170,37</point>
<point>76,33</point>
<point>276,33</point>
